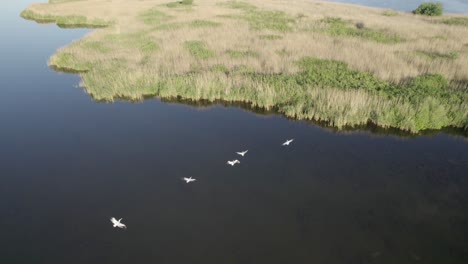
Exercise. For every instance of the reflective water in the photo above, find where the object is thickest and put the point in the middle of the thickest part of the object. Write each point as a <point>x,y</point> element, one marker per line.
<point>67,164</point>
<point>450,6</point>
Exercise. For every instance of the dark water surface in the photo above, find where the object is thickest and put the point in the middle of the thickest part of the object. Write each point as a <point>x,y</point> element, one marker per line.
<point>68,163</point>
<point>450,6</point>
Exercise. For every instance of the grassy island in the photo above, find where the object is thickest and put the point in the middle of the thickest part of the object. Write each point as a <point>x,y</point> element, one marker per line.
<point>342,64</point>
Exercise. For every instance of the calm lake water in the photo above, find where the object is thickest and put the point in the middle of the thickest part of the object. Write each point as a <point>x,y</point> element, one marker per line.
<point>450,6</point>
<point>68,163</point>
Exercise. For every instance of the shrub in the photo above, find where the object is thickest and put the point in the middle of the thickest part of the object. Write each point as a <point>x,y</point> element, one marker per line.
<point>429,9</point>
<point>360,25</point>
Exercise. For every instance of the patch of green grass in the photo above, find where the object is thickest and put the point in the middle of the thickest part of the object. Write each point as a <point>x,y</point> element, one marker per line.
<point>186,2</point>
<point>96,46</point>
<point>389,13</point>
<point>283,52</point>
<point>27,14</point>
<point>239,5</point>
<point>272,20</point>
<point>243,69</point>
<point>65,21</point>
<point>203,23</point>
<point>270,37</point>
<point>236,54</point>
<point>439,37</point>
<point>68,62</point>
<point>149,46</point>
<point>337,27</point>
<point>261,19</point>
<point>330,73</point>
<point>433,55</point>
<point>220,68</point>
<point>458,21</point>
<point>140,40</point>
<point>153,17</point>
<point>179,6</point>
<point>173,4</point>
<point>230,16</point>
<point>198,49</point>
<point>169,26</point>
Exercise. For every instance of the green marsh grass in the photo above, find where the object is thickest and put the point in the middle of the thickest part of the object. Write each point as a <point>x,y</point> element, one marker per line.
<point>154,17</point>
<point>458,21</point>
<point>65,21</point>
<point>236,54</point>
<point>270,37</point>
<point>198,49</point>
<point>259,19</point>
<point>389,13</point>
<point>433,55</point>
<point>203,23</point>
<point>336,26</point>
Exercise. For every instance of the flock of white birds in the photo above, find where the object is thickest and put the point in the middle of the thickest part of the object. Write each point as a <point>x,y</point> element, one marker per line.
<point>117,223</point>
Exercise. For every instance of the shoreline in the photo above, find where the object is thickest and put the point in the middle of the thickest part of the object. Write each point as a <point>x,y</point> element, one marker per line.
<point>199,83</point>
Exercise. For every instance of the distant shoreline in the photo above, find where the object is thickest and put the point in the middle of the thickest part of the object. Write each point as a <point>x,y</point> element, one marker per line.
<point>408,9</point>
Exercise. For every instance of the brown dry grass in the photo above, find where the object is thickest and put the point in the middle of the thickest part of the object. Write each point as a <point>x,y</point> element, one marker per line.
<point>390,62</point>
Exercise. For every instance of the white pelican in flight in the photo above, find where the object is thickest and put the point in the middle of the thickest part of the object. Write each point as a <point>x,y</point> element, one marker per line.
<point>242,153</point>
<point>189,180</point>
<point>117,223</point>
<point>233,162</point>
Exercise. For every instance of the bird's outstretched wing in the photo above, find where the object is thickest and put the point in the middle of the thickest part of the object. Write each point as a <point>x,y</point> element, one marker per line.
<point>113,220</point>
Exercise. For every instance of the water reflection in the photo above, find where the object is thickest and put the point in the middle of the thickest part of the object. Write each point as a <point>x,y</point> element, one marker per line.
<point>368,128</point>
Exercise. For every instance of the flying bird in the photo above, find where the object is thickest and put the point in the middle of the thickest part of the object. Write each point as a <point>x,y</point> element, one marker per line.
<point>189,180</point>
<point>233,162</point>
<point>242,153</point>
<point>117,223</point>
<point>288,141</point>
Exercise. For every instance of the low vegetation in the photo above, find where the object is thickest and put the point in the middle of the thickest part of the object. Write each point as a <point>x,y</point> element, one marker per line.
<point>342,65</point>
<point>270,37</point>
<point>459,21</point>
<point>389,13</point>
<point>65,21</point>
<point>204,23</point>
<point>153,17</point>
<point>199,50</point>
<point>438,55</point>
<point>262,19</point>
<point>335,26</point>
